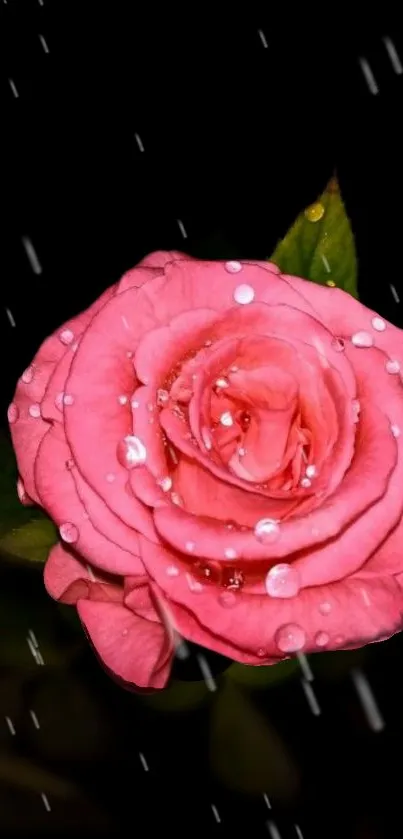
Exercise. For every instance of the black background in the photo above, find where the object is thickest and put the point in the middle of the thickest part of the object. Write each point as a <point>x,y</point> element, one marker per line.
<point>237,138</point>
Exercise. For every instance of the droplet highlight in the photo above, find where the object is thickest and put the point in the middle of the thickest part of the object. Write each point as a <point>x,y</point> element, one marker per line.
<point>378,324</point>
<point>34,410</point>
<point>12,413</point>
<point>131,452</point>
<point>233,267</point>
<point>362,340</point>
<point>68,532</point>
<point>392,366</point>
<point>314,212</point>
<point>244,294</point>
<point>28,375</point>
<point>267,531</point>
<point>66,337</point>
<point>325,608</point>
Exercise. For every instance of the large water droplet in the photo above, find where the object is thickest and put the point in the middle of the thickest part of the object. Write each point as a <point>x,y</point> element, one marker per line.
<point>68,532</point>
<point>131,452</point>
<point>378,324</point>
<point>66,336</point>
<point>315,212</point>
<point>12,413</point>
<point>290,638</point>
<point>226,419</point>
<point>325,607</point>
<point>267,531</point>
<point>362,339</point>
<point>244,294</point>
<point>34,410</point>
<point>282,581</point>
<point>165,483</point>
<point>392,366</point>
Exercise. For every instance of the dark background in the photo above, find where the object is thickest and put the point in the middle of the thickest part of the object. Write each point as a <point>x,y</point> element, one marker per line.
<point>115,125</point>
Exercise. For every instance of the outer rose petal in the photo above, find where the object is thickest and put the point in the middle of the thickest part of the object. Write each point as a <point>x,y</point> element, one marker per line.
<point>27,432</point>
<point>134,649</point>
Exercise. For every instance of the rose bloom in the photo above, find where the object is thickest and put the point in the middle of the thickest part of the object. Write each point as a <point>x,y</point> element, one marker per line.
<point>219,445</point>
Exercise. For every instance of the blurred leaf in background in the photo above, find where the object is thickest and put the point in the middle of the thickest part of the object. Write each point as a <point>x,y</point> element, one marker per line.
<point>320,244</point>
<point>264,676</point>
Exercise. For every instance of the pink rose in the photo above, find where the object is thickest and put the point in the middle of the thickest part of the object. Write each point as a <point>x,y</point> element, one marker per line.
<point>220,447</point>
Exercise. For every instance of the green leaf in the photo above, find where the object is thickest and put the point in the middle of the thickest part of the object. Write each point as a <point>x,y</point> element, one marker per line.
<point>247,753</point>
<point>178,696</point>
<point>12,513</point>
<point>320,244</point>
<point>262,676</point>
<point>31,541</point>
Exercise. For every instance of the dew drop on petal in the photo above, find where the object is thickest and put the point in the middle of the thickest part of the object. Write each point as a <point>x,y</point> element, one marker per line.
<point>395,430</point>
<point>172,571</point>
<point>70,463</point>
<point>125,632</point>
<point>321,639</point>
<point>222,382</point>
<point>22,495</point>
<point>194,584</point>
<point>206,437</point>
<point>261,652</point>
<point>267,531</point>
<point>305,483</point>
<point>131,452</point>
<point>28,375</point>
<point>68,399</point>
<point>325,607</point>
<point>59,401</point>
<point>392,366</point>
<point>356,410</point>
<point>68,532</point>
<point>232,578</point>
<point>134,403</point>
<point>338,344</point>
<point>311,471</point>
<point>165,483</point>
<point>230,553</point>
<point>378,324</point>
<point>244,294</point>
<point>228,599</point>
<point>290,638</point>
<point>110,477</point>
<point>190,546</point>
<point>362,339</point>
<point>177,499</point>
<point>233,267</point>
<point>66,336</point>
<point>122,399</point>
<point>226,419</point>
<point>34,410</point>
<point>282,581</point>
<point>12,413</point>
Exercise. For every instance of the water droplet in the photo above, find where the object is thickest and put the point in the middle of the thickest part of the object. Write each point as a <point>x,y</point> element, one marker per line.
<point>70,463</point>
<point>234,368</point>
<point>68,532</point>
<point>325,607</point>
<point>110,477</point>
<point>222,382</point>
<point>129,354</point>
<point>150,406</point>
<point>190,546</point>
<point>315,212</point>
<point>339,639</point>
<point>362,339</point>
<point>59,401</point>
<point>232,578</point>
<point>28,375</point>
<point>311,471</point>
<point>244,294</point>
<point>241,451</point>
<point>74,346</point>
<point>230,553</point>
<point>68,399</point>
<point>34,410</point>
<point>233,267</point>
<point>162,396</point>
<point>12,413</point>
<point>134,403</point>
<point>172,571</point>
<point>378,324</point>
<point>331,283</point>
<point>122,399</point>
<point>395,430</point>
<point>322,639</point>
<point>177,499</point>
<point>193,584</point>
<point>165,483</point>
<point>131,452</point>
<point>392,366</point>
<point>261,652</point>
<point>22,495</point>
<point>66,336</point>
<point>290,638</point>
<point>356,406</point>
<point>267,531</point>
<point>226,419</point>
<point>206,437</point>
<point>305,483</point>
<point>282,581</point>
<point>228,599</point>
<point>338,344</point>
<point>125,632</point>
